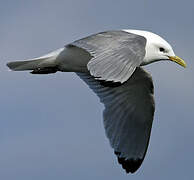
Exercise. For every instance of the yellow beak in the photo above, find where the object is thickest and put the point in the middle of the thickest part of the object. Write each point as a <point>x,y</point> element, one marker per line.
<point>178,60</point>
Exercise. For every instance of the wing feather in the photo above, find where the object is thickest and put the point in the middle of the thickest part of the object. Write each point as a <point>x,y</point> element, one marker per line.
<point>128,116</point>
<point>115,54</point>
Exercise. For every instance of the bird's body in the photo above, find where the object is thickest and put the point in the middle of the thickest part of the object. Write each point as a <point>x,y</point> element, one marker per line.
<point>109,62</point>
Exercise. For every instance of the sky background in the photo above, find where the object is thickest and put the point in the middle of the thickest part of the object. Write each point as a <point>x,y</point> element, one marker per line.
<point>51,126</point>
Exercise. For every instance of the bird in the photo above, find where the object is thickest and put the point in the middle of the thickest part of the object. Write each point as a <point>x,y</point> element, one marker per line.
<point>111,64</point>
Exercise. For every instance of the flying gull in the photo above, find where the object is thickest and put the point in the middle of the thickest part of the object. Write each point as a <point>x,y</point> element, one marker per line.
<point>111,64</point>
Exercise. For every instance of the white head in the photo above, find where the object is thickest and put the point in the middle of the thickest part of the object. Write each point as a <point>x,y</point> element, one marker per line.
<point>157,48</point>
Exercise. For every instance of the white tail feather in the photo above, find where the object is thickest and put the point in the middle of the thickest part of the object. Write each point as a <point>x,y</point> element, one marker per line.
<point>48,60</point>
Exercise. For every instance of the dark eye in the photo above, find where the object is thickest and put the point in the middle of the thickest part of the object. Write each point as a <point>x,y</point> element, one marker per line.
<point>162,49</point>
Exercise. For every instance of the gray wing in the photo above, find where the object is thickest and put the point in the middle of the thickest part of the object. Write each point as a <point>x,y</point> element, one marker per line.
<point>128,115</point>
<point>115,54</point>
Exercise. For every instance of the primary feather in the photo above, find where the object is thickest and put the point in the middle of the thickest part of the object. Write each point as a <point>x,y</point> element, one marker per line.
<point>128,115</point>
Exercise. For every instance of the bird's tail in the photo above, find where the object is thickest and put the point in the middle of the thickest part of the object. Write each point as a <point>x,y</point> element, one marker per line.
<point>41,65</point>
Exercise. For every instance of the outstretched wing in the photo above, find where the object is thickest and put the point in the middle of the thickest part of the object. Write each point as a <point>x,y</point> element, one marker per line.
<point>115,54</point>
<point>128,115</point>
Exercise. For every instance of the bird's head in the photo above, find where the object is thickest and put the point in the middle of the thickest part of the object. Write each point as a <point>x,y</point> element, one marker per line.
<point>157,49</point>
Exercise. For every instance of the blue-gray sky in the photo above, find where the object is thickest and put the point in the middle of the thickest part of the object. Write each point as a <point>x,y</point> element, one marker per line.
<point>51,125</point>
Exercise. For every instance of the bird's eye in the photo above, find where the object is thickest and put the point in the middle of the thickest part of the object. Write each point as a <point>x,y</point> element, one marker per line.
<point>162,49</point>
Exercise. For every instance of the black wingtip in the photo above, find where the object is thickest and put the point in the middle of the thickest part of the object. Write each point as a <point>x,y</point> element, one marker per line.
<point>130,165</point>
